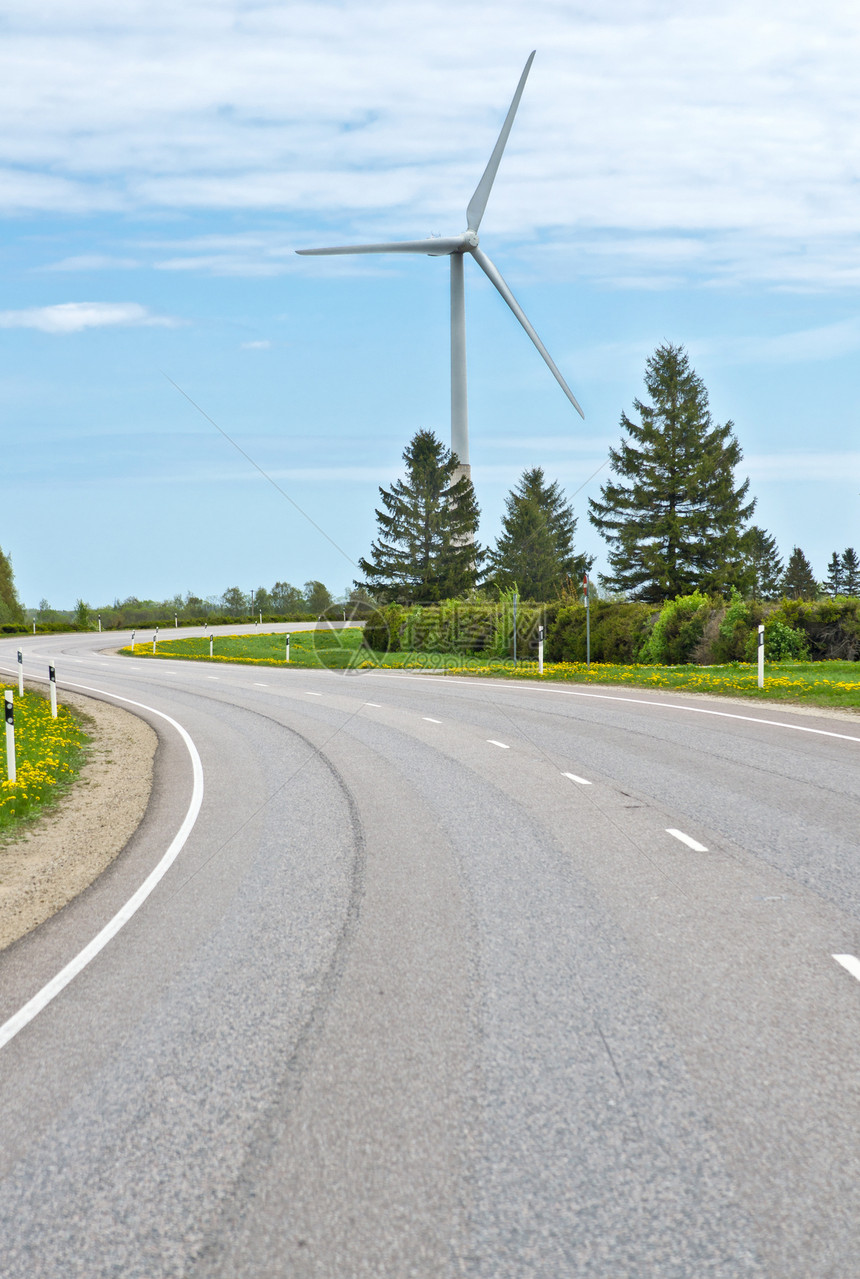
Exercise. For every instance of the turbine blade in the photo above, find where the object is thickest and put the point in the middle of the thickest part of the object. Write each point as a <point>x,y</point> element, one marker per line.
<point>495,278</point>
<point>478,202</point>
<point>436,247</point>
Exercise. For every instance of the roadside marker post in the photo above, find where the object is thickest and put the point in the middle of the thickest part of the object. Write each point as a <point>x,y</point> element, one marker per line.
<point>211,644</point>
<point>132,642</point>
<point>20,673</point>
<point>287,657</point>
<point>587,621</point>
<point>10,737</point>
<point>154,640</point>
<point>52,681</point>
<point>540,650</point>
<point>761,657</point>
<point>175,620</point>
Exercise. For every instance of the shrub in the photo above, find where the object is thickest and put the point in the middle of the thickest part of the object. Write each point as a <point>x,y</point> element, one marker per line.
<point>782,643</point>
<point>733,630</point>
<point>618,631</point>
<point>382,629</point>
<point>677,631</point>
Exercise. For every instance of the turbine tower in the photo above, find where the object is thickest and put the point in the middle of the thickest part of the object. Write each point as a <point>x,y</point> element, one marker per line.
<point>456,247</point>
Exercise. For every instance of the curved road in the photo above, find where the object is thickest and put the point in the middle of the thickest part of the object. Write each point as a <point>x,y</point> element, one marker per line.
<point>449,978</point>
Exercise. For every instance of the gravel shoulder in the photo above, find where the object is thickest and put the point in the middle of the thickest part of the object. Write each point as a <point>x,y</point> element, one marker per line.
<point>59,854</point>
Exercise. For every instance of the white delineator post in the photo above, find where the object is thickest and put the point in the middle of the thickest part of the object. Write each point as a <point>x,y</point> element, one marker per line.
<point>211,644</point>
<point>20,673</point>
<point>132,642</point>
<point>587,622</point>
<point>52,681</point>
<point>154,640</point>
<point>761,657</point>
<point>100,623</point>
<point>287,657</point>
<point>10,737</point>
<point>540,650</point>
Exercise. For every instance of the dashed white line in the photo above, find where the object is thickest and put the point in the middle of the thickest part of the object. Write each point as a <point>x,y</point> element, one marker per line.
<point>213,676</point>
<point>850,963</point>
<point>257,684</point>
<point>687,839</point>
<point>378,705</point>
<point>581,781</point>
<point>430,720</point>
<point>492,741</point>
<point>310,694</point>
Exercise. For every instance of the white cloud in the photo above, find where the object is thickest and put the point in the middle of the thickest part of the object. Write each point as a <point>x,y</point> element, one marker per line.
<point>263,345</point>
<point>733,125</point>
<point>803,467</point>
<point>72,317</point>
<point>93,262</point>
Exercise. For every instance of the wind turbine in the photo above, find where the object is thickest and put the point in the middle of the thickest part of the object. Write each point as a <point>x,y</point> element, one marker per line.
<point>456,247</point>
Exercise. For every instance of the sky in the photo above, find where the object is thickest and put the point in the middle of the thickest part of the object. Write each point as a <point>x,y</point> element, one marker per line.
<point>676,173</point>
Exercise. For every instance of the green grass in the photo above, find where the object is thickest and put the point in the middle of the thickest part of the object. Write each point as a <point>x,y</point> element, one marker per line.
<point>48,754</point>
<point>815,683</point>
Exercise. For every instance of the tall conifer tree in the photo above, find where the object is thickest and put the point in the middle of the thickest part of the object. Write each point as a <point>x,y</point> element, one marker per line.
<point>766,569</point>
<point>799,582</point>
<point>10,606</point>
<point>426,548</point>
<point>833,581</point>
<point>535,549</point>
<point>850,572</point>
<point>674,518</point>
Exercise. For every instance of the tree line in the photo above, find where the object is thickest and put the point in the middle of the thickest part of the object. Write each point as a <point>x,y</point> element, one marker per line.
<point>673,515</point>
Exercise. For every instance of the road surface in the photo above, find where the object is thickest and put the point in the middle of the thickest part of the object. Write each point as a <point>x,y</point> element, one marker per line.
<point>445,977</point>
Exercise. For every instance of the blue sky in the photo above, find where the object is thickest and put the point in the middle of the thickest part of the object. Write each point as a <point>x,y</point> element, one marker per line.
<point>675,173</point>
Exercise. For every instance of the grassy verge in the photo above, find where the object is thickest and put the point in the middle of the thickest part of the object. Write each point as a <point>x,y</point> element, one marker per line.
<point>816,683</point>
<point>48,753</point>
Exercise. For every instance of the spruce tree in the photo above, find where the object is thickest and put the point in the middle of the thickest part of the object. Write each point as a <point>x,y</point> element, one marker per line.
<point>674,518</point>
<point>832,583</point>
<point>10,606</point>
<point>426,548</point>
<point>850,572</point>
<point>766,569</point>
<point>535,550</point>
<point>799,582</point>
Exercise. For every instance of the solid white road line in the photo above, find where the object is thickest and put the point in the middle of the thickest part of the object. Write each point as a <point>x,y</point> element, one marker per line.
<point>635,701</point>
<point>850,963</point>
<point>686,839</point>
<point>582,781</point>
<point>310,694</point>
<point>378,705</point>
<point>493,742</point>
<point>430,720</point>
<point>34,1006</point>
<point>257,684</point>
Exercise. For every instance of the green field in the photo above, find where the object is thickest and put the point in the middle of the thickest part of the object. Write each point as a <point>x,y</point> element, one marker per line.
<point>816,683</point>
<point>48,752</point>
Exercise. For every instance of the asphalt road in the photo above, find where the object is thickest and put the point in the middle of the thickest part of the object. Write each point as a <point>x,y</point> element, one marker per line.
<point>432,989</point>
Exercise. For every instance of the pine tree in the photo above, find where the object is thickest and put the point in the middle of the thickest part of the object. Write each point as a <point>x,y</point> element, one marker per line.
<point>850,572</point>
<point>766,569</point>
<point>832,583</point>
<point>535,551</point>
<point>674,519</point>
<point>426,548</point>
<point>10,606</point>
<point>799,582</point>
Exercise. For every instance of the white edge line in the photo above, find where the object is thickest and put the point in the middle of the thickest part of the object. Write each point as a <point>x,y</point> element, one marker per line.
<point>582,781</point>
<point>686,839</point>
<point>850,963</point>
<point>34,1006</point>
<point>430,720</point>
<point>492,741</point>
<point>635,701</point>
